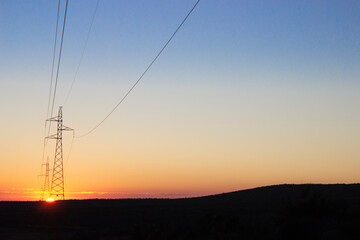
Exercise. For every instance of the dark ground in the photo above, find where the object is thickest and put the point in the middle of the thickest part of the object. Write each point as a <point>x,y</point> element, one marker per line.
<point>275,212</point>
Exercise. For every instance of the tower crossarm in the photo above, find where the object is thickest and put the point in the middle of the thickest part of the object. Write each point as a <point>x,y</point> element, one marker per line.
<point>65,128</point>
<point>54,136</point>
<point>53,119</point>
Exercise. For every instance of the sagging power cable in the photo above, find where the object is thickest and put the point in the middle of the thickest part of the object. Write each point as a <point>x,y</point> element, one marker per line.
<point>82,52</point>
<point>51,82</point>
<point>59,60</point>
<point>142,75</point>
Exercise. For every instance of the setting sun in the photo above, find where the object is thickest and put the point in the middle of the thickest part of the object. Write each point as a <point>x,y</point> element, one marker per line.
<point>50,200</point>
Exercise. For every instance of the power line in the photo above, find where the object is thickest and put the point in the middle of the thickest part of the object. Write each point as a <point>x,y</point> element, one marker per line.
<point>51,80</point>
<point>52,72</point>
<point>82,53</point>
<point>58,65</point>
<point>53,60</point>
<point>142,75</point>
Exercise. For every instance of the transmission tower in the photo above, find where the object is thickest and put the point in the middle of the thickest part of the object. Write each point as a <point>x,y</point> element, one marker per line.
<point>57,182</point>
<point>46,187</point>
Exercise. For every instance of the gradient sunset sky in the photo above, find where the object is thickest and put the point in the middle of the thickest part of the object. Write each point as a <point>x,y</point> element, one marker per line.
<point>248,93</point>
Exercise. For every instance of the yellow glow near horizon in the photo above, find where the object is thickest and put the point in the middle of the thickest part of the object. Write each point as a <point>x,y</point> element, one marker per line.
<point>50,200</point>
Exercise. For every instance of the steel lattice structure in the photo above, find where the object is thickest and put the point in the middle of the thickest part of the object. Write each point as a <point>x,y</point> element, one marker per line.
<point>46,187</point>
<point>57,183</point>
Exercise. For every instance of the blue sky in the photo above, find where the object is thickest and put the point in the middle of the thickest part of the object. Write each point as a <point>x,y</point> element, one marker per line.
<point>243,84</point>
<point>276,35</point>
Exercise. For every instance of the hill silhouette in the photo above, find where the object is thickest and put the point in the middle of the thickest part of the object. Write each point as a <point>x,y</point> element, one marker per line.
<point>307,211</point>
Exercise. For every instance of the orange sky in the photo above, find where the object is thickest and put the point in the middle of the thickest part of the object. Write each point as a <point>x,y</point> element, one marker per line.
<point>260,94</point>
<point>163,153</point>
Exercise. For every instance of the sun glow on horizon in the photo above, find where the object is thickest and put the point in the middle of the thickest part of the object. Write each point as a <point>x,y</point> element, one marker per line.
<point>50,200</point>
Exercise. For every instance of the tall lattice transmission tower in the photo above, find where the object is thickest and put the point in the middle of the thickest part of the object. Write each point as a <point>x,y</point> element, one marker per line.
<point>46,188</point>
<point>57,182</point>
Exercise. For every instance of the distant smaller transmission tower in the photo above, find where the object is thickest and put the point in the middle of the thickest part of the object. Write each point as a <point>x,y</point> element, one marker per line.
<point>57,183</point>
<point>46,187</point>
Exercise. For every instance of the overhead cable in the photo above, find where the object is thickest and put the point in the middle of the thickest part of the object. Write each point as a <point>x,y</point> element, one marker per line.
<point>53,60</point>
<point>58,64</point>
<point>82,53</point>
<point>51,81</point>
<point>142,75</point>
